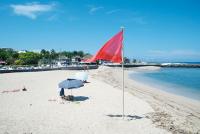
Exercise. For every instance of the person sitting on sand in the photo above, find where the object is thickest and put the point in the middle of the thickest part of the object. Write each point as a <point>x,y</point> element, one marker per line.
<point>24,89</point>
<point>62,93</point>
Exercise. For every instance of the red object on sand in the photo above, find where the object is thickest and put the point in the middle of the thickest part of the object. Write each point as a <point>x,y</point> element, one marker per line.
<point>111,51</point>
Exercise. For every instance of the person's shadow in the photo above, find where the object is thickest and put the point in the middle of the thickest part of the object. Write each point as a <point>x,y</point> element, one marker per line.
<point>80,98</point>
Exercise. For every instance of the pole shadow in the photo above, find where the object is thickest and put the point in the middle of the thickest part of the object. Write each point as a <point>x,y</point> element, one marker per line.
<point>129,117</point>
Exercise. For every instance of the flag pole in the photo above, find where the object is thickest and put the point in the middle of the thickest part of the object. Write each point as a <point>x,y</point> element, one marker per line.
<point>122,28</point>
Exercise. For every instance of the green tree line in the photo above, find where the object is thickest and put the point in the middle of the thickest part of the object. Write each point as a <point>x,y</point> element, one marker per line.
<point>13,57</point>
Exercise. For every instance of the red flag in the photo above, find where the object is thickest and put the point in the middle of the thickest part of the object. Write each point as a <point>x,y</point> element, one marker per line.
<point>111,51</point>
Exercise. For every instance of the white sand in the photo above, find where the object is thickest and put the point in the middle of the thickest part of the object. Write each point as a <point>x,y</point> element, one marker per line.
<point>40,110</point>
<point>174,113</point>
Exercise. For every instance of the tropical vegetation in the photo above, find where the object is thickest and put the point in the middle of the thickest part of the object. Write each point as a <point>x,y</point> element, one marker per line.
<point>13,57</point>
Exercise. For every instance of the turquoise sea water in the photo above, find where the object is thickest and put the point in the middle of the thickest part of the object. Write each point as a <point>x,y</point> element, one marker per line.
<point>181,81</point>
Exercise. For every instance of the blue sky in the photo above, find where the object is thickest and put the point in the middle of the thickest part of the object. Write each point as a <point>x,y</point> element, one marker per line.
<point>155,30</point>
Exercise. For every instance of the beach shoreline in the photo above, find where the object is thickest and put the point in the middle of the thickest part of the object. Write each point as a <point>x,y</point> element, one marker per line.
<point>175,113</point>
<point>179,81</point>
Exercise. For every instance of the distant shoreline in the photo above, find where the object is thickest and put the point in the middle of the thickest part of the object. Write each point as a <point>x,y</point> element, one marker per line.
<point>181,65</point>
<point>81,67</point>
<point>50,69</point>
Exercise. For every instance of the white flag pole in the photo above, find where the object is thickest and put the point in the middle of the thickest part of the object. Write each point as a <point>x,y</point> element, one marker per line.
<point>122,28</point>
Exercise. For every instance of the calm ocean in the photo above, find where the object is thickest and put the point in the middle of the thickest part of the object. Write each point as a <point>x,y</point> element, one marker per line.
<point>181,81</point>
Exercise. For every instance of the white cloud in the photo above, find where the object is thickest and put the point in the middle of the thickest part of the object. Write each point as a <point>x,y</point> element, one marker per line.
<point>185,53</point>
<point>112,11</point>
<point>93,9</point>
<point>174,53</point>
<point>134,17</point>
<point>31,10</point>
<point>157,52</point>
<point>53,17</point>
<point>139,20</point>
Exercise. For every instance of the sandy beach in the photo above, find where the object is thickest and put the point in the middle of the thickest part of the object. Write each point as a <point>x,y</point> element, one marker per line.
<point>97,107</point>
<point>176,114</point>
